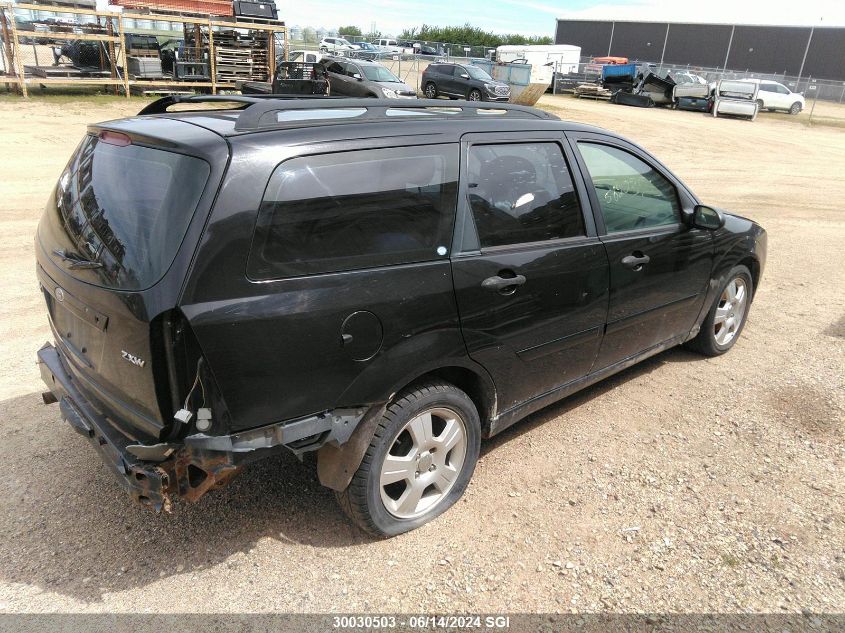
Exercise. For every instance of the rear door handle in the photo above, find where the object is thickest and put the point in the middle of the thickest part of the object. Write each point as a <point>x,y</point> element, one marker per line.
<point>500,284</point>
<point>636,260</point>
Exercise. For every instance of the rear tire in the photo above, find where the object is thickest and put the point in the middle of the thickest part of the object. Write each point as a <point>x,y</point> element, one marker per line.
<point>430,90</point>
<point>727,316</point>
<point>419,462</point>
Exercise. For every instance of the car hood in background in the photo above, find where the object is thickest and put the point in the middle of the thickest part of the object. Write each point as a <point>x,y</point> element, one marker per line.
<point>401,88</point>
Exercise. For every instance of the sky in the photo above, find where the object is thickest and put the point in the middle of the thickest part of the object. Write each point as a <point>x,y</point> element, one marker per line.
<point>538,17</point>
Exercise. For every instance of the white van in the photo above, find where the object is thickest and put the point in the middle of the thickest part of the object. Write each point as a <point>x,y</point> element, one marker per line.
<point>544,60</point>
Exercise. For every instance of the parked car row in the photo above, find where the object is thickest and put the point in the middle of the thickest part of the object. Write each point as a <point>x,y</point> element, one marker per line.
<point>375,49</point>
<point>308,72</point>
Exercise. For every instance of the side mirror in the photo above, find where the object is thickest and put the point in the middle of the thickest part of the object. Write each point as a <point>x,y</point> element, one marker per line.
<point>357,76</point>
<point>704,217</point>
<point>464,76</point>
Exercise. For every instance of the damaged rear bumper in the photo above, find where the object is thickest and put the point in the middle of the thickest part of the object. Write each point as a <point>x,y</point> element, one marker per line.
<point>153,474</point>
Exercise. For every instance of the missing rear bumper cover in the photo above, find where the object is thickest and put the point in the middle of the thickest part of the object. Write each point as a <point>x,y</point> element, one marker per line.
<point>152,474</point>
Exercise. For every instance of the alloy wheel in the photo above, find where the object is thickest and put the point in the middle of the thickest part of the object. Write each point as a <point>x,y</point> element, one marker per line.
<point>731,311</point>
<point>423,463</point>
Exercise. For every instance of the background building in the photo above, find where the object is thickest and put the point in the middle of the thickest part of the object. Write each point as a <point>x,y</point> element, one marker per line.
<point>800,51</point>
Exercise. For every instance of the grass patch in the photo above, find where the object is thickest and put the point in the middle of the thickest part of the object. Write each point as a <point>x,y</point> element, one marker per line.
<point>730,560</point>
<point>71,94</point>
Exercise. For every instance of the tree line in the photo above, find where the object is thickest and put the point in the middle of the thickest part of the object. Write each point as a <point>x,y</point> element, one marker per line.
<point>470,35</point>
<point>466,34</point>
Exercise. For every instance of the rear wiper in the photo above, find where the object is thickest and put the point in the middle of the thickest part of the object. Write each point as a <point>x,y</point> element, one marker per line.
<point>74,261</point>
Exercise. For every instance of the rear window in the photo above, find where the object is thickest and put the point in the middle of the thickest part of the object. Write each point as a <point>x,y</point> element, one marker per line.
<point>120,212</point>
<point>359,209</point>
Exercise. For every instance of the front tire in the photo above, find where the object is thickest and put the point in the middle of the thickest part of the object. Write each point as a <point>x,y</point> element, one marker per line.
<point>727,316</point>
<point>474,95</point>
<point>795,108</point>
<point>419,462</point>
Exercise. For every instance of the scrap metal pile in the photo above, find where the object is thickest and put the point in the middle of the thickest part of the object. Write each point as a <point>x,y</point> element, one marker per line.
<point>639,85</point>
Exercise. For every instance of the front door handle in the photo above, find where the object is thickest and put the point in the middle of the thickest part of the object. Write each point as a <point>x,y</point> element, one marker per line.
<point>503,284</point>
<point>636,260</point>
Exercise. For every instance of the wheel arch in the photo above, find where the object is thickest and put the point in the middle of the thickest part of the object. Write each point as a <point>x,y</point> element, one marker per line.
<point>479,387</point>
<point>752,264</point>
<point>336,465</point>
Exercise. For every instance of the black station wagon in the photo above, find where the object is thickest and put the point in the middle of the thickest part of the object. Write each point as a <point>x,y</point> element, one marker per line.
<point>385,283</point>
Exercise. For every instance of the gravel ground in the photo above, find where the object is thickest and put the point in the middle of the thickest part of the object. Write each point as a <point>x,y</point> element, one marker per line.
<point>683,484</point>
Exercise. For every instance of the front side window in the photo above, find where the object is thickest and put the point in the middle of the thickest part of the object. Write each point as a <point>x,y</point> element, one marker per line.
<point>359,209</point>
<point>520,193</point>
<point>632,194</point>
<point>380,73</point>
<point>477,73</point>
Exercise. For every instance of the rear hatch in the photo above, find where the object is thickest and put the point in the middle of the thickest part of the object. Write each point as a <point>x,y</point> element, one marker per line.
<point>112,256</point>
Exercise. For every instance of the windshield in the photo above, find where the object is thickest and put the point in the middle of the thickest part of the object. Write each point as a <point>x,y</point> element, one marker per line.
<point>120,212</point>
<point>366,46</point>
<point>342,41</point>
<point>476,73</point>
<point>379,73</point>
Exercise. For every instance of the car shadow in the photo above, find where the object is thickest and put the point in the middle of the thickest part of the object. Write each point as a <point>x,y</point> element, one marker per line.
<point>69,528</point>
<point>553,411</point>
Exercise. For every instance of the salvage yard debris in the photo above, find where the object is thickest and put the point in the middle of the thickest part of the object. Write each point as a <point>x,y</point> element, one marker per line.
<point>592,91</point>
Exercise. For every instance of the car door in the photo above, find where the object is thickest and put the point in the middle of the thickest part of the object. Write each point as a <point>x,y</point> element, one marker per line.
<point>659,266</point>
<point>766,93</point>
<point>530,274</point>
<point>461,82</point>
<point>343,284</point>
<point>445,79</point>
<point>782,95</point>
<point>357,87</point>
<point>338,80</point>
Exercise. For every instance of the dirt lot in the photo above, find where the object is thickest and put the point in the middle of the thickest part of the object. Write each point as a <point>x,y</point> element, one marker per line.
<point>683,484</point>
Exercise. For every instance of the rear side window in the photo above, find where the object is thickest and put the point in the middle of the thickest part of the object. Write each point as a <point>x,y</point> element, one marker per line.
<point>359,209</point>
<point>446,70</point>
<point>522,192</point>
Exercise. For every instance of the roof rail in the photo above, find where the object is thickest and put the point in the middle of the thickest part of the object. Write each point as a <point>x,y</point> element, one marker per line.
<point>159,106</point>
<point>262,114</point>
